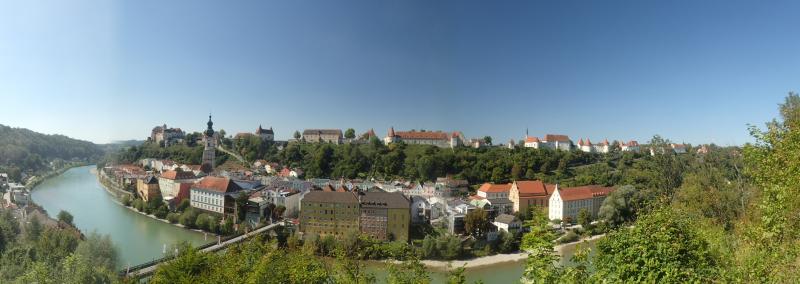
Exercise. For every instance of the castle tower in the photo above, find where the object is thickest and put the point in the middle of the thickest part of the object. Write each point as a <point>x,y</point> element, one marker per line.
<point>210,148</point>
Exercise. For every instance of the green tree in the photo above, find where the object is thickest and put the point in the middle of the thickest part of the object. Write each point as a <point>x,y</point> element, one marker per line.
<point>65,217</point>
<point>663,247</point>
<point>476,222</point>
<point>538,242</point>
<point>618,207</point>
<point>487,140</point>
<point>350,133</point>
<point>584,218</point>
<point>408,272</point>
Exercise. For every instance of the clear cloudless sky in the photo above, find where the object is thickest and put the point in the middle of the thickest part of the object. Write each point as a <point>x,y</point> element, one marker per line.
<point>692,71</point>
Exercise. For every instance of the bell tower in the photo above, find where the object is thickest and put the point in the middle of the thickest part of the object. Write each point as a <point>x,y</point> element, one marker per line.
<point>209,150</point>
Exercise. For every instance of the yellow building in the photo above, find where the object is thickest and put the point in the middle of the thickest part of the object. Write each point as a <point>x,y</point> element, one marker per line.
<point>381,215</point>
<point>329,213</point>
<point>385,216</point>
<point>147,188</point>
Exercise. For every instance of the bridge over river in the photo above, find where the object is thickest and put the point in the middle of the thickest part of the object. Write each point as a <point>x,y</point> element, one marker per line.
<point>146,269</point>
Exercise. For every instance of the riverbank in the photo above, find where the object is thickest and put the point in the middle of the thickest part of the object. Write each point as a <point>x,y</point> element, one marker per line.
<point>136,238</point>
<point>497,258</point>
<point>31,184</point>
<point>118,202</point>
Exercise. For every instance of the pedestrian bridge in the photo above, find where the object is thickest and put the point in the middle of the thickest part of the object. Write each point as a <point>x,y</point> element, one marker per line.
<point>147,269</point>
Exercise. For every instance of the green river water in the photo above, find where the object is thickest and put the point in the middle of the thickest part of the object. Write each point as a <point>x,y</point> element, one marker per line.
<point>140,238</point>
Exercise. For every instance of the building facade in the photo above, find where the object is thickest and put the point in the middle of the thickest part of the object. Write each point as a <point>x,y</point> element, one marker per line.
<point>147,188</point>
<point>385,216</point>
<point>265,134</point>
<point>171,182</point>
<point>435,138</point>
<point>381,215</point>
<point>215,194</point>
<point>531,193</point>
<point>333,136</point>
<point>566,203</point>
<point>325,213</point>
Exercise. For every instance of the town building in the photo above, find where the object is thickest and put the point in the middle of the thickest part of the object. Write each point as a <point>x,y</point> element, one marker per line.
<point>265,134</point>
<point>530,193</point>
<point>385,216</point>
<point>532,142</point>
<point>333,136</point>
<point>329,213</point>
<point>147,188</point>
<point>382,215</point>
<point>678,148</point>
<point>630,146</point>
<point>566,203</point>
<point>435,138</point>
<point>587,146</point>
<point>166,136</point>
<point>175,185</point>
<point>508,223</point>
<point>557,142</point>
<point>494,198</point>
<point>215,194</point>
<point>209,147</point>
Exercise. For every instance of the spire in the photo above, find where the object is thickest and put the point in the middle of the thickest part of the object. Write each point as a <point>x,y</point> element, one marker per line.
<point>210,130</point>
<point>391,131</point>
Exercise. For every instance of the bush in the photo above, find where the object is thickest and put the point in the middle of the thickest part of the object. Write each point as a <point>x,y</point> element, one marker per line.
<point>162,212</point>
<point>173,217</point>
<point>65,217</point>
<point>183,205</point>
<point>202,221</point>
<point>188,218</point>
<point>569,237</point>
<point>126,200</point>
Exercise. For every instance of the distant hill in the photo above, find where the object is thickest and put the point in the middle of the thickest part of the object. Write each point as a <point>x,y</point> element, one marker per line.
<point>25,150</point>
<point>122,144</point>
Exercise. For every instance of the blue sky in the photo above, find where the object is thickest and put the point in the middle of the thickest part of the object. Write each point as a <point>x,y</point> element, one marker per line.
<point>693,71</point>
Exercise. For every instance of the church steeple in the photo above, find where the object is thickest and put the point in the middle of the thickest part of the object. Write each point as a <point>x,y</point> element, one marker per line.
<point>210,130</point>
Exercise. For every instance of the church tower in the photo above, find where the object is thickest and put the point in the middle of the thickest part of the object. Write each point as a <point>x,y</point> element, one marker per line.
<point>210,148</point>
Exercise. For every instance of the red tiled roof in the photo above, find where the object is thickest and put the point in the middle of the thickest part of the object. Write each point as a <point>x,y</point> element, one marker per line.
<point>555,137</point>
<point>218,184</point>
<point>580,142</point>
<point>605,142</point>
<point>488,187</point>
<point>583,192</point>
<point>533,188</point>
<point>532,140</point>
<point>175,175</point>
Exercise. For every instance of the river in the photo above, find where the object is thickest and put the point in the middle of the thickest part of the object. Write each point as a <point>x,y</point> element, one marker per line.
<point>138,238</point>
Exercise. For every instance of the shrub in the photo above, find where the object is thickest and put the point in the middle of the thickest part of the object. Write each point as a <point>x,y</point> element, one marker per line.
<point>188,218</point>
<point>173,217</point>
<point>569,237</point>
<point>162,212</point>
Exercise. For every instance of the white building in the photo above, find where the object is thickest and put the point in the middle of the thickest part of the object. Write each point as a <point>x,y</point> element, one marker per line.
<point>566,203</point>
<point>507,222</point>
<point>631,146</point>
<point>170,183</point>
<point>532,142</point>
<point>557,142</point>
<point>214,194</point>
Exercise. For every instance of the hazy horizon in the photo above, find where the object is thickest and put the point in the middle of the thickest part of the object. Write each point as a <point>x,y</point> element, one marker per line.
<point>108,71</point>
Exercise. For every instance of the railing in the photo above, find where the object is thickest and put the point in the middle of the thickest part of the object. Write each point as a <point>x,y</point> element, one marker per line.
<point>141,266</point>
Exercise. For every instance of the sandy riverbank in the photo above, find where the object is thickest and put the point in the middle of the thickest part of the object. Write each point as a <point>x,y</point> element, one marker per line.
<point>497,258</point>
